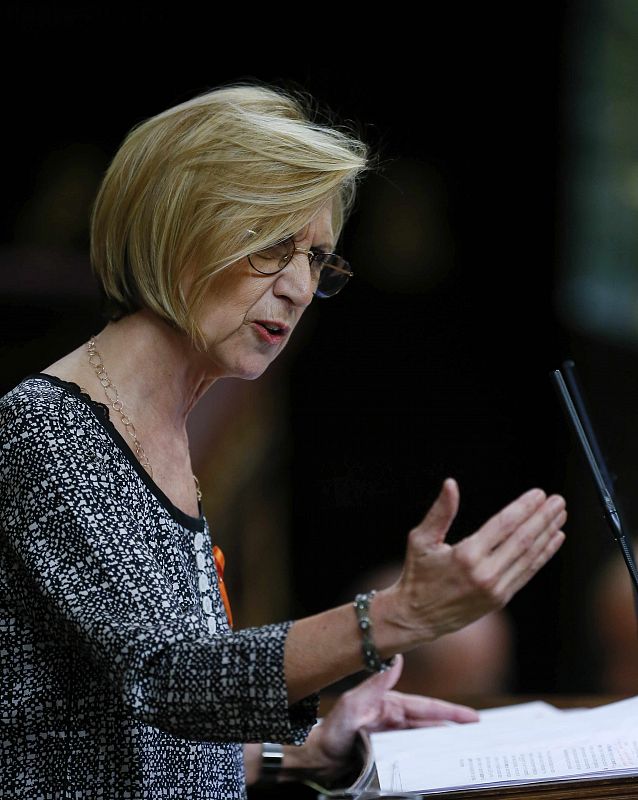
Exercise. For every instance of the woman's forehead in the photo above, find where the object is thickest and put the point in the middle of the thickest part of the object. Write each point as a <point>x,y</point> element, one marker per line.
<point>320,228</point>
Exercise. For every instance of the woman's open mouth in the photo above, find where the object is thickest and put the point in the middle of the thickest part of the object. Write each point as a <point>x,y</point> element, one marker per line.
<point>271,331</point>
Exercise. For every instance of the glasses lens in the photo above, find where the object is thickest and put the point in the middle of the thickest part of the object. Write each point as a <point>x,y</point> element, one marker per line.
<point>335,273</point>
<point>273,259</point>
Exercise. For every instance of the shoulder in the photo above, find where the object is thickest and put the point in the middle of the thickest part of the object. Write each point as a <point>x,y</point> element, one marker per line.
<point>40,415</point>
<point>34,394</point>
<point>34,403</point>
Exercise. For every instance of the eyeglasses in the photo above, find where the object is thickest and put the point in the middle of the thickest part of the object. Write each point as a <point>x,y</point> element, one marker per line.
<point>330,272</point>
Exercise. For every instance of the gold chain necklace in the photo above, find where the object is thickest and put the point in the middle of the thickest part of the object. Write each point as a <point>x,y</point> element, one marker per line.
<point>113,396</point>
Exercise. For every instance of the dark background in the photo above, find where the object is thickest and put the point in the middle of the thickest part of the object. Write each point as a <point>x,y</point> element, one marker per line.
<point>440,368</point>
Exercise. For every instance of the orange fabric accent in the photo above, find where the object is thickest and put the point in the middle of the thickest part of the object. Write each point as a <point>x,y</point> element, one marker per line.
<point>220,563</point>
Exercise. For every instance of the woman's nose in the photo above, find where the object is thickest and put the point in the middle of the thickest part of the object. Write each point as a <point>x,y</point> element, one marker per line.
<point>296,281</point>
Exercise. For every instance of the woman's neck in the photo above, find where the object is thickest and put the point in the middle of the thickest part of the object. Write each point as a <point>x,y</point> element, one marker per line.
<point>158,373</point>
<point>159,377</point>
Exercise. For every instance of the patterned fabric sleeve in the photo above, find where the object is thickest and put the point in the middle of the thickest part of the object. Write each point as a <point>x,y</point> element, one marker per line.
<point>80,528</point>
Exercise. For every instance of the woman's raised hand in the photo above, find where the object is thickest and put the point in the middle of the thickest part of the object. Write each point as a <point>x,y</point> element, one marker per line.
<point>444,587</point>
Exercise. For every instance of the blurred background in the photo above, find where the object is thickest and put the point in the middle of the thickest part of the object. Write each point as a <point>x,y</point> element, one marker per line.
<point>495,239</point>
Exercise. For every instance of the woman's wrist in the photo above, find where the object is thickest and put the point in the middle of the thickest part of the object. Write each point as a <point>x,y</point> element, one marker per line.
<point>311,761</point>
<point>371,658</point>
<point>271,762</point>
<point>252,762</point>
<point>394,631</point>
<point>325,648</point>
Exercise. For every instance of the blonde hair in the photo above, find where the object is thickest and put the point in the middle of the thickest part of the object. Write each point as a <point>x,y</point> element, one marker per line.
<point>187,186</point>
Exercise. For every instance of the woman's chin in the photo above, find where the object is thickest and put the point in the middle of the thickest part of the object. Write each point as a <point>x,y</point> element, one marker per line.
<point>250,371</point>
<point>245,366</point>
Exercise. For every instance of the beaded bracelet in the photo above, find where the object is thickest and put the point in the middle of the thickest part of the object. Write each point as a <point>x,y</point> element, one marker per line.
<point>371,658</point>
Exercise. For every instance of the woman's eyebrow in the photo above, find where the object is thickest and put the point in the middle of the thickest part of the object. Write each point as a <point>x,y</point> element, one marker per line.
<point>325,248</point>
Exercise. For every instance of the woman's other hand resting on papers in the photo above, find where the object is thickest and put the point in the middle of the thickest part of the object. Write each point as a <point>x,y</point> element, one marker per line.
<point>371,706</point>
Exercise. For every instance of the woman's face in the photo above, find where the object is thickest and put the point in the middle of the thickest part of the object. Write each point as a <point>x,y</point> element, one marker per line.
<point>249,317</point>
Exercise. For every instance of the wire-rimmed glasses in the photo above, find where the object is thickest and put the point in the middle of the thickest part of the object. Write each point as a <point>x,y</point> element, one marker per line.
<point>330,272</point>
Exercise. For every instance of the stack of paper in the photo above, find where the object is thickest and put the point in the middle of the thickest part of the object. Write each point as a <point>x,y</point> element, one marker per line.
<point>528,743</point>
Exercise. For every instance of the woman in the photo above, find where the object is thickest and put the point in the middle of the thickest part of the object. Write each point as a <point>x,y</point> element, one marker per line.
<point>213,230</point>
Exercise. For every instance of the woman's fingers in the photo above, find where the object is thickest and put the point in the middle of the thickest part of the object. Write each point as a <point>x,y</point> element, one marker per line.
<point>400,710</point>
<point>516,579</point>
<point>430,711</point>
<point>532,535</point>
<point>501,526</point>
<point>519,554</point>
<point>436,523</point>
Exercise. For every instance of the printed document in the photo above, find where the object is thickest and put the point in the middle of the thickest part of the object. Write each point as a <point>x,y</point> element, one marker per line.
<point>527,743</point>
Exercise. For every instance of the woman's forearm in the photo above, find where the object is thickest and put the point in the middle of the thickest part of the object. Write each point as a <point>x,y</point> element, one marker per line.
<point>323,649</point>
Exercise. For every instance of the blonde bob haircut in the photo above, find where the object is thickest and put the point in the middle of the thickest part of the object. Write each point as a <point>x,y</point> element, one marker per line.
<point>206,183</point>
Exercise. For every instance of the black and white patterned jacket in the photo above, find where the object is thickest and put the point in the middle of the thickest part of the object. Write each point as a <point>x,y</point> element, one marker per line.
<point>120,675</point>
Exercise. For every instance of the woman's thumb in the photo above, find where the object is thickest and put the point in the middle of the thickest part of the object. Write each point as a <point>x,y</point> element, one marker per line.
<point>436,523</point>
<point>384,681</point>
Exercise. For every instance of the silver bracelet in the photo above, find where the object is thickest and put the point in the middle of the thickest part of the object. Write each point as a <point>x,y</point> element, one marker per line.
<point>371,658</point>
<point>272,761</point>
